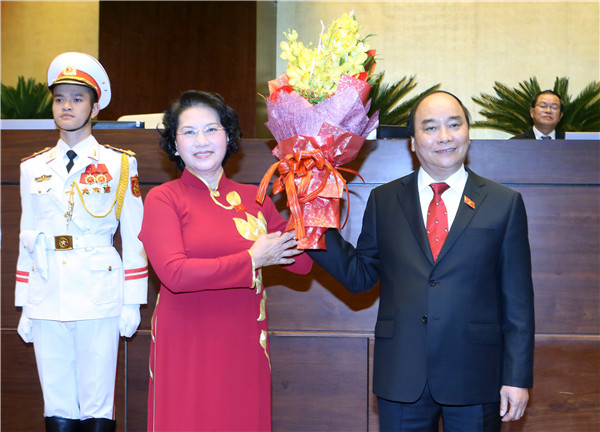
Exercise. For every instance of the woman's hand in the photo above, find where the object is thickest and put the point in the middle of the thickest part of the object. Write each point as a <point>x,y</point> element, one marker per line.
<point>274,248</point>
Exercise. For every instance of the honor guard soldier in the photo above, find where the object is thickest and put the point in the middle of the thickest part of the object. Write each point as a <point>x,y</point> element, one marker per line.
<point>77,293</point>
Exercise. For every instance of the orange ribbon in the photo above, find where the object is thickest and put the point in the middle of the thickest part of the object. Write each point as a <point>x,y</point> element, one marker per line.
<point>300,165</point>
<point>95,174</point>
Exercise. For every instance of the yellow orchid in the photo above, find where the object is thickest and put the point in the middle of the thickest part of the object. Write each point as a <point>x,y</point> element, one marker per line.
<point>315,73</point>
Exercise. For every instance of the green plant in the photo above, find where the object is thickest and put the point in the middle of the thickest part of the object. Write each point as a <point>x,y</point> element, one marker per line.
<point>508,111</point>
<point>28,100</point>
<point>387,99</point>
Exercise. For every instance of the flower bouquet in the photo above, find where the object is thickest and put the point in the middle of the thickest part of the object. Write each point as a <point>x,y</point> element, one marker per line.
<point>318,114</point>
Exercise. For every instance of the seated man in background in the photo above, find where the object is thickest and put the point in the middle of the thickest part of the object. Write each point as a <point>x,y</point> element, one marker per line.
<point>546,111</point>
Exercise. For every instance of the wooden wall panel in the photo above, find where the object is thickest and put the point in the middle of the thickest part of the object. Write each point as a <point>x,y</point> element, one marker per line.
<point>153,51</point>
<point>565,395</point>
<point>564,231</point>
<point>535,162</point>
<point>317,304</point>
<point>22,402</point>
<point>138,350</point>
<point>319,383</point>
<point>318,325</point>
<point>11,213</point>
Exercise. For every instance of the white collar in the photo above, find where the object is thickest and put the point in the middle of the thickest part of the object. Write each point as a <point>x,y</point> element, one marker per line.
<point>538,134</point>
<point>88,147</point>
<point>456,181</point>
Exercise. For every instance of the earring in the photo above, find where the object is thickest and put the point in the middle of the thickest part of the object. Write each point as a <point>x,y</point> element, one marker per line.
<point>176,153</point>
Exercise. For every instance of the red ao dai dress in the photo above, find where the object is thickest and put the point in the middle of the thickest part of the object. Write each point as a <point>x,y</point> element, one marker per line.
<point>209,356</point>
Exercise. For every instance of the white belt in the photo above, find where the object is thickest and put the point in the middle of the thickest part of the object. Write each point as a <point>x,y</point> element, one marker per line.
<point>68,242</point>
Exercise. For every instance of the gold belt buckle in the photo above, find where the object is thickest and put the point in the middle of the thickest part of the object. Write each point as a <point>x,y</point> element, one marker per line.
<point>63,242</point>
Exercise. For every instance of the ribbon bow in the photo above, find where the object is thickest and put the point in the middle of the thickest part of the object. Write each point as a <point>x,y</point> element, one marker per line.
<point>300,165</point>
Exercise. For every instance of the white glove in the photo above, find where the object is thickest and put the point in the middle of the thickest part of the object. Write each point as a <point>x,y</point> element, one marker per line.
<point>35,243</point>
<point>25,328</point>
<point>129,320</point>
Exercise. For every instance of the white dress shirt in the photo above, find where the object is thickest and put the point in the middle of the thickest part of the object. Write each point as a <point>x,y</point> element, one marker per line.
<point>538,134</point>
<point>451,197</point>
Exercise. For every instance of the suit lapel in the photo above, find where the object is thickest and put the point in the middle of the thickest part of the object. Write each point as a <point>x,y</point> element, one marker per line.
<point>473,196</point>
<point>408,195</point>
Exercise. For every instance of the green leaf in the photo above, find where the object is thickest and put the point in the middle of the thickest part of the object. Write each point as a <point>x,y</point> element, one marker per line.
<point>389,99</point>
<point>28,100</point>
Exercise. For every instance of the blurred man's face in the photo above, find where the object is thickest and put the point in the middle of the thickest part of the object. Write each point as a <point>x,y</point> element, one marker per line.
<point>546,113</point>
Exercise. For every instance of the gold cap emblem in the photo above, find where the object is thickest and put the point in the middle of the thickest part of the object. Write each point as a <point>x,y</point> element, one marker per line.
<point>70,70</point>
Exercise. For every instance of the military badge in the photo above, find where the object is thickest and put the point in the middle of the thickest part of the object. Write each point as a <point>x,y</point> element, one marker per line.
<point>70,70</point>
<point>95,178</point>
<point>135,187</point>
<point>42,178</point>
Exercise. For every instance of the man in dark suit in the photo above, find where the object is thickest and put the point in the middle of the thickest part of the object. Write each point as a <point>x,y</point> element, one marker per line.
<point>455,327</point>
<point>546,111</point>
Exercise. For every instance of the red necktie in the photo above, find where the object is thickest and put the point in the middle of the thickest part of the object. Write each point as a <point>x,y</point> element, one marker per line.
<point>437,219</point>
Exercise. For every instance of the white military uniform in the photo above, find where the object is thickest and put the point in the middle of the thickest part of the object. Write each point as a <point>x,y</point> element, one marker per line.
<point>71,281</point>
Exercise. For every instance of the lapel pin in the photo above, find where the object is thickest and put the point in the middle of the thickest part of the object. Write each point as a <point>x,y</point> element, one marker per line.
<point>469,202</point>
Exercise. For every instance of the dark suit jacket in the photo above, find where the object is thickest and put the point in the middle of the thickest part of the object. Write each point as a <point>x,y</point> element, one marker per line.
<point>465,323</point>
<point>531,135</point>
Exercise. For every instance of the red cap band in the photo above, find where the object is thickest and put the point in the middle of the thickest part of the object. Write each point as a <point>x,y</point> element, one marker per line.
<point>71,74</point>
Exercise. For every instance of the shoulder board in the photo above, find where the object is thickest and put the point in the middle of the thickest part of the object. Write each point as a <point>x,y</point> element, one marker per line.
<point>36,154</point>
<point>127,152</point>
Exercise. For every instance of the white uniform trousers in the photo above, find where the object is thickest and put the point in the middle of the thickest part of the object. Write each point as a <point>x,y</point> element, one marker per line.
<point>77,365</point>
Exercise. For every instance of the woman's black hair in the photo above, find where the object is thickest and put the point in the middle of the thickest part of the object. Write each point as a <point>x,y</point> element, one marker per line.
<point>194,98</point>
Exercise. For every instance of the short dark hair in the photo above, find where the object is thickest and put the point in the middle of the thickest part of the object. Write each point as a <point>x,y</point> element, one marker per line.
<point>194,98</point>
<point>535,99</point>
<point>411,115</point>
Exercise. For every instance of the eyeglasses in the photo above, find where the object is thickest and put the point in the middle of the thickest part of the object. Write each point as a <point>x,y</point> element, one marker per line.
<point>546,106</point>
<point>210,131</point>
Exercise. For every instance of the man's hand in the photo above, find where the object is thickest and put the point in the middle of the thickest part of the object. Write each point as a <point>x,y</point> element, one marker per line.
<point>513,401</point>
